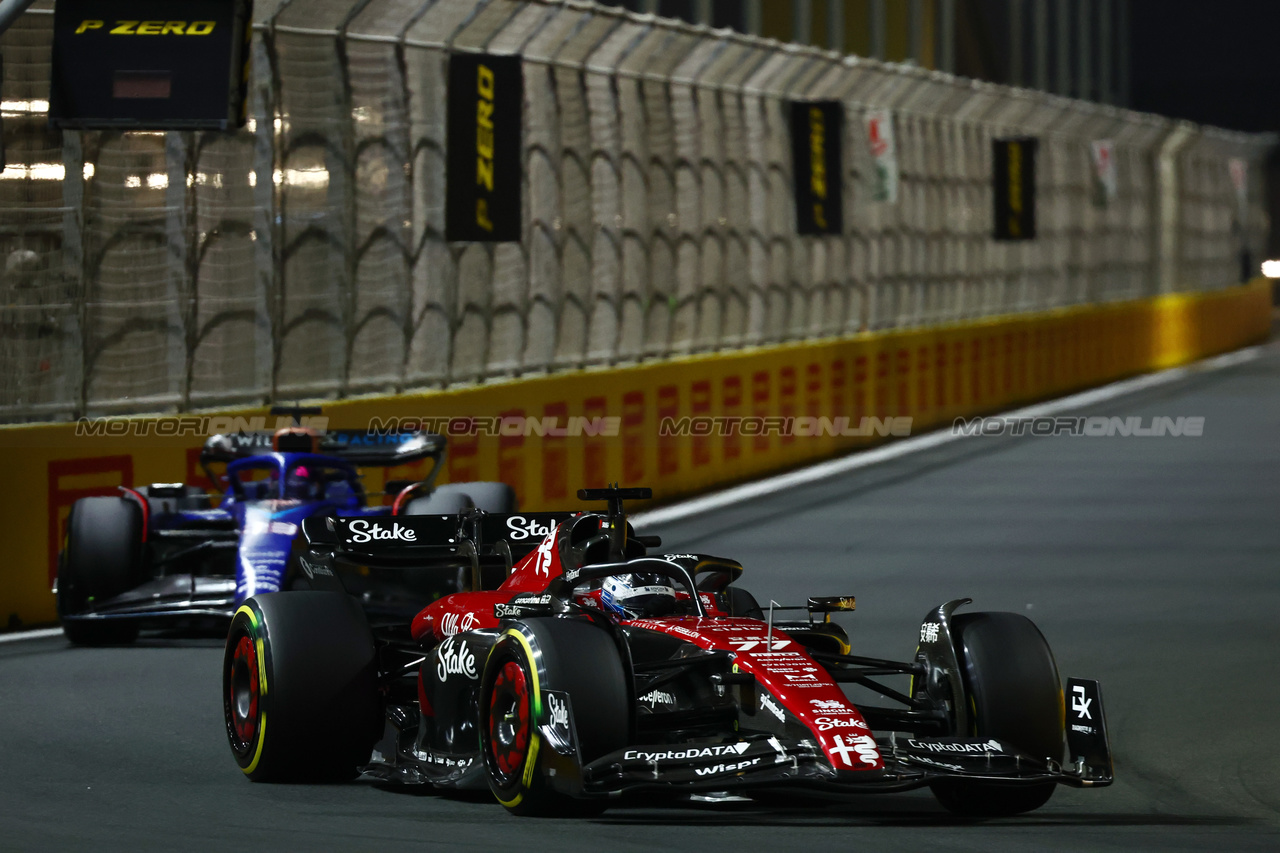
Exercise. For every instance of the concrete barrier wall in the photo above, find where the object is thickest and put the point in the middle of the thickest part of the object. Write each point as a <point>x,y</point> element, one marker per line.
<point>931,375</point>
<point>306,254</point>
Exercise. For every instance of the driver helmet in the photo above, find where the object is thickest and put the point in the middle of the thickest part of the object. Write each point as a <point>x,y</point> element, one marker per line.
<point>632,596</point>
<point>296,440</point>
<point>301,483</point>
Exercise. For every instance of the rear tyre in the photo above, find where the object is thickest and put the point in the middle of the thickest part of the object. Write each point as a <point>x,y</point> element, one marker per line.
<point>1015,696</point>
<point>566,655</point>
<point>490,497</point>
<point>743,603</point>
<point>442,501</point>
<point>299,687</point>
<point>103,559</point>
<point>428,582</point>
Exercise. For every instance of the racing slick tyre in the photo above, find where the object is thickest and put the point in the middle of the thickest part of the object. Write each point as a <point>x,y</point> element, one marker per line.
<point>443,501</point>
<point>743,603</point>
<point>103,559</point>
<point>452,497</point>
<point>1014,696</point>
<point>569,656</point>
<point>490,497</point>
<point>299,687</point>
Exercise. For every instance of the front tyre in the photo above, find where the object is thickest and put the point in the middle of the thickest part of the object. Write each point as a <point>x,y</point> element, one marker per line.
<point>299,687</point>
<point>1015,696</point>
<point>570,656</point>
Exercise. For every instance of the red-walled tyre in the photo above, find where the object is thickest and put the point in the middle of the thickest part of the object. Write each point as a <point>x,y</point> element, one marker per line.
<point>572,657</point>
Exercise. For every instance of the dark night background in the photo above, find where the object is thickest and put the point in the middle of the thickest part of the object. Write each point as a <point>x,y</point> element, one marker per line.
<point>1210,61</point>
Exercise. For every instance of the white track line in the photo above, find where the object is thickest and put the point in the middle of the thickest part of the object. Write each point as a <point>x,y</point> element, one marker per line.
<point>893,450</point>
<point>39,634</point>
<point>866,458</point>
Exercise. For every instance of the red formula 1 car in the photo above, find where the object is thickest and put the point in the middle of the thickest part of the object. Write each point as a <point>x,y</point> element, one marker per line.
<point>597,668</point>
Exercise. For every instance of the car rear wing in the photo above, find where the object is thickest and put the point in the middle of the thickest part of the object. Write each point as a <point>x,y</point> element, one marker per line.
<point>487,542</point>
<point>365,448</point>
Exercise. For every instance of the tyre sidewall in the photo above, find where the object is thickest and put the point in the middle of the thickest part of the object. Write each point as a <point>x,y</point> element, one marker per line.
<point>524,785</point>
<point>247,624</point>
<point>578,658</point>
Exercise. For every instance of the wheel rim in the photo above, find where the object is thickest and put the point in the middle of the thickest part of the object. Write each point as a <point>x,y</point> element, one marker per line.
<point>509,721</point>
<point>243,689</point>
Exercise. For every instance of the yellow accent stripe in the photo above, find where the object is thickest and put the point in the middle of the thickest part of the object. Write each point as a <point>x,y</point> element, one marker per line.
<point>262,682</point>
<point>262,738</point>
<point>531,760</point>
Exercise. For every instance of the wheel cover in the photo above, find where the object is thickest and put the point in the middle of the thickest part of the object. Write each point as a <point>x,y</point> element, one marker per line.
<point>509,722</point>
<point>243,689</point>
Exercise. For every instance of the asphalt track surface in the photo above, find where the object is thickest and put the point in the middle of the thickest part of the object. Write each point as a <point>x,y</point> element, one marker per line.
<point>1150,564</point>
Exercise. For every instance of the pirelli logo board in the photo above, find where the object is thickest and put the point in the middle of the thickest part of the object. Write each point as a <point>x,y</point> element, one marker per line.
<point>1015,188</point>
<point>150,64</point>
<point>816,131</point>
<point>482,188</point>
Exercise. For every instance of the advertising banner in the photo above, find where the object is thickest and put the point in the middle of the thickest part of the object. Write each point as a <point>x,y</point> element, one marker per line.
<point>131,64</point>
<point>1015,188</point>
<point>482,189</point>
<point>815,147</point>
<point>884,156</point>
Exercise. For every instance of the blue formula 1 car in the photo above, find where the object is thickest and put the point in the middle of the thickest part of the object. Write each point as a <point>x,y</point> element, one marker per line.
<point>170,553</point>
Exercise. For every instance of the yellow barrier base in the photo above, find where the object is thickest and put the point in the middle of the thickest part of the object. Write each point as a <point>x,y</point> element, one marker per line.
<point>929,375</point>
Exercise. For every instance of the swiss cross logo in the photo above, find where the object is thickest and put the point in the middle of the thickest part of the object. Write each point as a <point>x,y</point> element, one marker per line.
<point>543,564</point>
<point>864,746</point>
